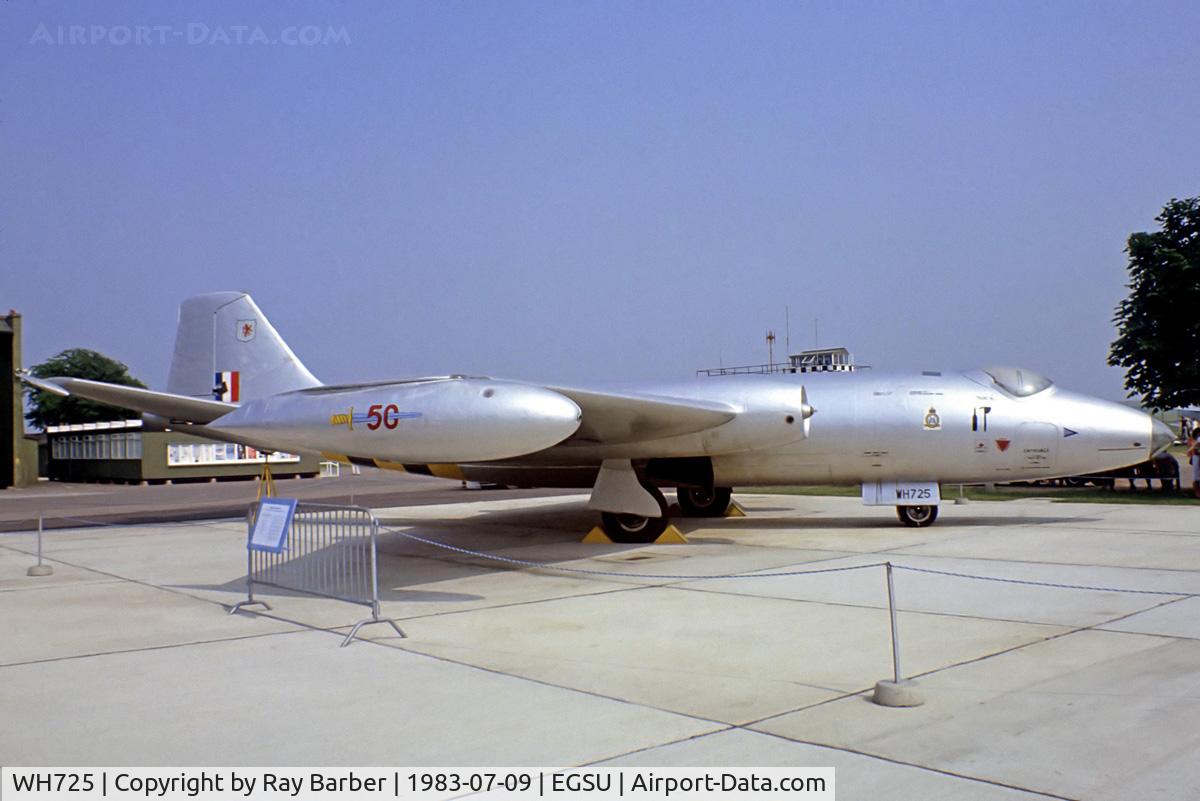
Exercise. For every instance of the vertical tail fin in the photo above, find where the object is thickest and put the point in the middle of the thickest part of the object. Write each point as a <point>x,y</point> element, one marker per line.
<point>226,348</point>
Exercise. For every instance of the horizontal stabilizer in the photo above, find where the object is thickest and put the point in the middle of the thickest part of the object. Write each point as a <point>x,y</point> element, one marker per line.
<point>163,404</point>
<point>619,418</point>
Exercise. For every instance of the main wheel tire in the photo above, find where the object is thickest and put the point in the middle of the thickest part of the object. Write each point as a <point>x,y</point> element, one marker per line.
<point>626,528</point>
<point>695,502</point>
<point>917,516</point>
<point>633,528</point>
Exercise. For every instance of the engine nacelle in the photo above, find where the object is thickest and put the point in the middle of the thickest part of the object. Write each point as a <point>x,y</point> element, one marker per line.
<point>438,420</point>
<point>770,418</point>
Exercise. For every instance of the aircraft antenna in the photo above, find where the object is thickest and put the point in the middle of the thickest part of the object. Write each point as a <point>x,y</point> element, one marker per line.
<point>787,331</point>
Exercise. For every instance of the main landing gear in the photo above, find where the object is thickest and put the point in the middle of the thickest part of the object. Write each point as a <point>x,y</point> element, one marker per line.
<point>629,528</point>
<point>693,502</point>
<point>917,516</point>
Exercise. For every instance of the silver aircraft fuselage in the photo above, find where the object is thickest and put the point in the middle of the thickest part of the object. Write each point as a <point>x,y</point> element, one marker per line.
<point>898,435</point>
<point>952,427</point>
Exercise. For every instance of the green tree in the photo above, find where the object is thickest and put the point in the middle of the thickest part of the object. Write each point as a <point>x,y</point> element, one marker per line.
<point>47,409</point>
<point>1158,325</point>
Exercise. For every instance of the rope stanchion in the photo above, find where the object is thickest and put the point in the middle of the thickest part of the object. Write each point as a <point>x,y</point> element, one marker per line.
<point>41,568</point>
<point>898,692</point>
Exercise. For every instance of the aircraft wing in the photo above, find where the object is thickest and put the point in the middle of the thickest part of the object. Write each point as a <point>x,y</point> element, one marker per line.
<point>163,404</point>
<point>619,418</point>
<point>592,424</point>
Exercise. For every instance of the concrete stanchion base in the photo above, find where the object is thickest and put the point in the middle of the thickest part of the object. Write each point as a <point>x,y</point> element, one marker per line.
<point>898,693</point>
<point>960,500</point>
<point>40,570</point>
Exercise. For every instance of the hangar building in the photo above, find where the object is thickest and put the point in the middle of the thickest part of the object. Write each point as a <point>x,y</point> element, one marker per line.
<point>124,451</point>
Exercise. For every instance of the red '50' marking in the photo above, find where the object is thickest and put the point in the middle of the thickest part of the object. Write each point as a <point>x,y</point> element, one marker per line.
<point>386,416</point>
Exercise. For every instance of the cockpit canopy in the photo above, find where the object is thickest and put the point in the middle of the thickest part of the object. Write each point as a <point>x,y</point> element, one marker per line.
<point>1017,381</point>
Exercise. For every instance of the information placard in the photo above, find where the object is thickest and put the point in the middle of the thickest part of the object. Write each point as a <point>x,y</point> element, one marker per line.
<point>271,524</point>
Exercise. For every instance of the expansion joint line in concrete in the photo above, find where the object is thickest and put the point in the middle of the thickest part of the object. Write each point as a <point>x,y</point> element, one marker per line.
<point>899,551</point>
<point>1031,583</point>
<point>848,605</point>
<point>121,520</point>
<point>119,577</point>
<point>827,746</point>
<point>894,761</point>
<point>1093,627</point>
<point>397,646</point>
<point>148,648</point>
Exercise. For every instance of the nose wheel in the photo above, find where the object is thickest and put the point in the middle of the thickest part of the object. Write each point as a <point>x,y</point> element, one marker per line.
<point>917,516</point>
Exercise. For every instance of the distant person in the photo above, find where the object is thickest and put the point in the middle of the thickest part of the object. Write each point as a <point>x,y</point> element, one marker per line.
<point>1193,453</point>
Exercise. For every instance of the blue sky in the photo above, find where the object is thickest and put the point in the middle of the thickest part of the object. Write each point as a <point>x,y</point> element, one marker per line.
<point>577,191</point>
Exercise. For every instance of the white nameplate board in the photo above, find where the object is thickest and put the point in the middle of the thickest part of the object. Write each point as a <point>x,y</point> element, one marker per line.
<point>271,524</point>
<point>901,493</point>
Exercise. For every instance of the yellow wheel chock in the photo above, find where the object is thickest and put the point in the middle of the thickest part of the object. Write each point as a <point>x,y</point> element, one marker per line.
<point>670,536</point>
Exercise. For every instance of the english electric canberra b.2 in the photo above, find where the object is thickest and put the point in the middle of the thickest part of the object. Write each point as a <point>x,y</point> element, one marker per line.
<point>900,436</point>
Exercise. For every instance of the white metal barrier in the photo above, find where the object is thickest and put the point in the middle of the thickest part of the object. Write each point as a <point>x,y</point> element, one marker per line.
<point>329,551</point>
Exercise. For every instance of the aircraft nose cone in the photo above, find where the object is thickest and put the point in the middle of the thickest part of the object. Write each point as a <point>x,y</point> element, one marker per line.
<point>1161,437</point>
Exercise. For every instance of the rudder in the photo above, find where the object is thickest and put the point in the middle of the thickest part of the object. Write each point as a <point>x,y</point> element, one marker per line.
<point>226,348</point>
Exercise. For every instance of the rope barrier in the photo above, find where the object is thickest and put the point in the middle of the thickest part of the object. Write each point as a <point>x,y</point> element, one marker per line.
<point>669,577</point>
<point>528,563</point>
<point>775,574</point>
